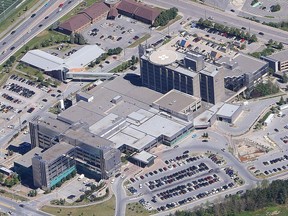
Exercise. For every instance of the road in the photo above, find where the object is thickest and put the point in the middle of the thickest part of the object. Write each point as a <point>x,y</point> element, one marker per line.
<point>7,205</point>
<point>30,27</point>
<point>215,143</point>
<point>195,10</point>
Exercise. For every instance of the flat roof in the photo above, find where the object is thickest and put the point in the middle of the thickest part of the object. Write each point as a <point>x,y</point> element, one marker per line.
<point>144,157</point>
<point>163,57</point>
<point>203,120</point>
<point>79,113</point>
<point>211,70</point>
<point>228,110</point>
<point>248,64</point>
<point>52,124</point>
<point>84,136</point>
<point>176,100</point>
<point>280,56</point>
<point>26,159</point>
<point>158,125</point>
<point>55,151</point>
<point>105,123</point>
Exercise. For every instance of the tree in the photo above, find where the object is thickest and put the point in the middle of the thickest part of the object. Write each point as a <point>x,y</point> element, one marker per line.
<point>284,78</point>
<point>253,38</point>
<point>275,8</point>
<point>12,59</point>
<point>26,48</point>
<point>281,101</point>
<point>270,42</point>
<point>280,45</point>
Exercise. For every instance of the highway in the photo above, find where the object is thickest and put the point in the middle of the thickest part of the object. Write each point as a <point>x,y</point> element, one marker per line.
<point>196,10</point>
<point>32,26</point>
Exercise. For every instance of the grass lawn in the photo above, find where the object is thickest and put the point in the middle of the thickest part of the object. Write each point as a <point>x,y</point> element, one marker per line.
<point>133,209</point>
<point>269,211</point>
<point>43,36</point>
<point>139,41</point>
<point>103,209</point>
<point>7,194</point>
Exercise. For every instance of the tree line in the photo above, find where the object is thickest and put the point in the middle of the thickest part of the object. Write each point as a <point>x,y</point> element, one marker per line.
<point>230,31</point>
<point>165,16</point>
<point>265,195</point>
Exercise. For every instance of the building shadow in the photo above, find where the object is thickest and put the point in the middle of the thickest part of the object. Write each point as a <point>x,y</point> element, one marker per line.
<point>134,79</point>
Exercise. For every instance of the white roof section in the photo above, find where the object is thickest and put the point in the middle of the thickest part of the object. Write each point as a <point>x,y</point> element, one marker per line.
<point>163,57</point>
<point>203,120</point>
<point>228,110</point>
<point>144,157</point>
<point>158,125</point>
<point>48,62</point>
<point>83,56</point>
<point>42,60</point>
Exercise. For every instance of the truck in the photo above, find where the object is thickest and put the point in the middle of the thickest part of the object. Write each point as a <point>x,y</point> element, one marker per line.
<point>80,177</point>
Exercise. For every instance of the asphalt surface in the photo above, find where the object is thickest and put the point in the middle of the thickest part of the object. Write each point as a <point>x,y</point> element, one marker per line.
<point>7,205</point>
<point>195,10</point>
<point>29,28</point>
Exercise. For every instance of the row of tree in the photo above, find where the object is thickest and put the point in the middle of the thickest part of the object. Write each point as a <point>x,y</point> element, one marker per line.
<point>258,198</point>
<point>230,31</point>
<point>165,16</point>
<point>104,56</point>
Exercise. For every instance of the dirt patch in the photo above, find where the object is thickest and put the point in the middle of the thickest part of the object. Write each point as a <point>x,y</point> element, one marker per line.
<point>248,150</point>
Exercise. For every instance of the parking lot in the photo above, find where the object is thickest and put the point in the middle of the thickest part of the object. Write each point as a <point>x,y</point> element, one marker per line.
<point>75,188</point>
<point>182,179</point>
<point>120,32</point>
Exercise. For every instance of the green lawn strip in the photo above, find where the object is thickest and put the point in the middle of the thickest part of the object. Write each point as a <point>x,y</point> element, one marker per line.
<point>268,211</point>
<point>7,194</point>
<point>106,208</point>
<point>133,209</point>
<point>139,41</point>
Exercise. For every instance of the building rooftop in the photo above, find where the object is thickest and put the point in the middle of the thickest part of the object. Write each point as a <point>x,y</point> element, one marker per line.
<point>79,113</point>
<point>210,70</point>
<point>158,125</point>
<point>48,62</point>
<point>203,120</point>
<point>144,157</point>
<point>176,101</point>
<point>228,110</point>
<point>280,56</point>
<point>248,64</point>
<point>96,10</point>
<point>52,124</point>
<point>56,151</point>
<point>74,23</point>
<point>26,159</point>
<point>139,9</point>
<point>83,136</point>
<point>163,57</point>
